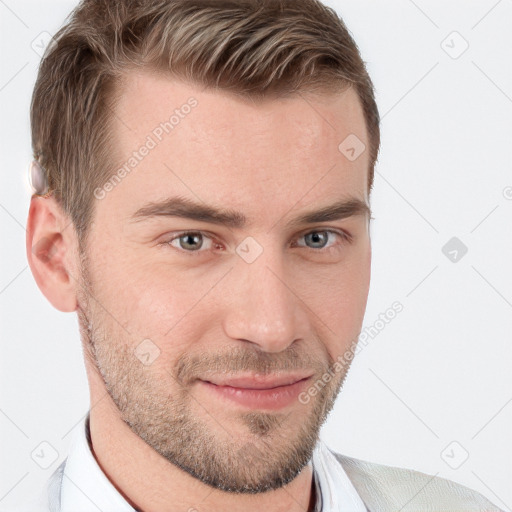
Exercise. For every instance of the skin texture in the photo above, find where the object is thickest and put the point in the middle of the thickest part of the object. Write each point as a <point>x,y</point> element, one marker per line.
<point>164,440</point>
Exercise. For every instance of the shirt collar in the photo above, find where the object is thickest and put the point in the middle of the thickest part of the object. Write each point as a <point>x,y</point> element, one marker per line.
<point>335,491</point>
<point>85,486</point>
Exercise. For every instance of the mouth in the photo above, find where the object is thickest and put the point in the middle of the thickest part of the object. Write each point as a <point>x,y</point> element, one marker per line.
<point>258,381</point>
<point>257,391</point>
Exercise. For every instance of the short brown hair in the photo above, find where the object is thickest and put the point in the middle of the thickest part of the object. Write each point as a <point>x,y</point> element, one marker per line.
<point>255,48</point>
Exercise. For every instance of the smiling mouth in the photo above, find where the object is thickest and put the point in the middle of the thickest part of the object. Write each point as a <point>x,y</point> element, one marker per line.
<point>257,381</point>
<point>268,392</point>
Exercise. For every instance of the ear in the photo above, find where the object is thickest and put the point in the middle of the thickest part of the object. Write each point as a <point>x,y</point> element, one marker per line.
<point>52,252</point>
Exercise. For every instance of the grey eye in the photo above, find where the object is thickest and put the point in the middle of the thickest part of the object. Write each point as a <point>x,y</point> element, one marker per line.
<point>317,237</point>
<point>191,241</point>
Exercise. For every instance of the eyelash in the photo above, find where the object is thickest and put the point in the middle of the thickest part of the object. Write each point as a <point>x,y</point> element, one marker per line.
<point>345,237</point>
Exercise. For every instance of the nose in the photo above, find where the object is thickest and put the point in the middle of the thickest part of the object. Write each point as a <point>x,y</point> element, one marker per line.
<point>262,307</point>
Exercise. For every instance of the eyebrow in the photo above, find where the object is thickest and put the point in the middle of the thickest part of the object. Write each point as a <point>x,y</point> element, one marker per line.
<point>189,209</point>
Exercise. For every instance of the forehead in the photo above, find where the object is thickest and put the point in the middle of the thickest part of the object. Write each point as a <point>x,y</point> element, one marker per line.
<point>207,143</point>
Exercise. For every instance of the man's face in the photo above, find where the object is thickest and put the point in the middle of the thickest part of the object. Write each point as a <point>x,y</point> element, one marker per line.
<point>213,304</point>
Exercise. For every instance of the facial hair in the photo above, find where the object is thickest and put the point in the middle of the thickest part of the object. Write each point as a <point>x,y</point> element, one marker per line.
<point>157,402</point>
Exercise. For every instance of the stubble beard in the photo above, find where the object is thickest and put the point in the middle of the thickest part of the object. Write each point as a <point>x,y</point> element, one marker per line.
<point>267,456</point>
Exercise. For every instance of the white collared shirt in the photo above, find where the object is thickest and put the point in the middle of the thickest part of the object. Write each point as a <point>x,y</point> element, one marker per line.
<point>79,484</point>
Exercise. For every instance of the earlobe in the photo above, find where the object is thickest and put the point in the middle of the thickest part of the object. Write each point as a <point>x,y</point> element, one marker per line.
<point>50,245</point>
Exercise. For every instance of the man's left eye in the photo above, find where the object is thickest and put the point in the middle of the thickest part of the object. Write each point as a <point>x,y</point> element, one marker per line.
<point>320,239</point>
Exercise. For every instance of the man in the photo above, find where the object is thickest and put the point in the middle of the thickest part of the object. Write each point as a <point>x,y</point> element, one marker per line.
<point>203,172</point>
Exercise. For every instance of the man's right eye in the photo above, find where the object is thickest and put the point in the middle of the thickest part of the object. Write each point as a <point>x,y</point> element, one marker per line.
<point>189,242</point>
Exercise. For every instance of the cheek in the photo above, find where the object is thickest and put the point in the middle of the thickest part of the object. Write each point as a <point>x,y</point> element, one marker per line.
<point>337,297</point>
<point>156,301</point>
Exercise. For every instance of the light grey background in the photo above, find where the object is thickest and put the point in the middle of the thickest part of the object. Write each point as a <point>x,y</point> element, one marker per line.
<point>435,382</point>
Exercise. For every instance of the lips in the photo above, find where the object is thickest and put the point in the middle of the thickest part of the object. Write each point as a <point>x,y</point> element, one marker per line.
<point>258,381</point>
<point>256,391</point>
